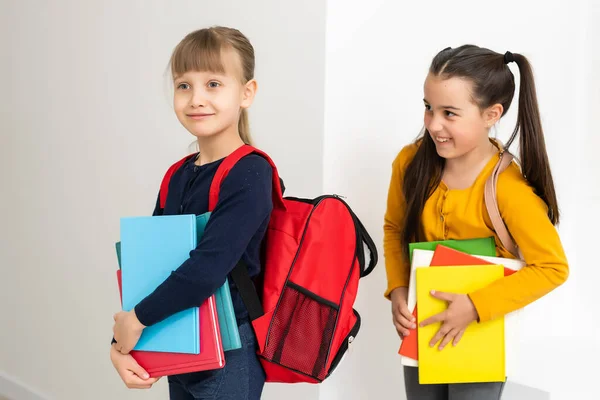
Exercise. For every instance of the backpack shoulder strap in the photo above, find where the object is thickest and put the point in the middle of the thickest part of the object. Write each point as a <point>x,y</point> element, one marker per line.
<point>491,203</point>
<point>239,274</point>
<point>226,166</point>
<point>164,185</point>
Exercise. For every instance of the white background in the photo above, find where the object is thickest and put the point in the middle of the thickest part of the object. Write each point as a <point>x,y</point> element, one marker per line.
<point>87,130</point>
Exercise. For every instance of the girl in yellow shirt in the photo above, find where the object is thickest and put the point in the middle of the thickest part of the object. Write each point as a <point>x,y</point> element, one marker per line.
<point>437,193</point>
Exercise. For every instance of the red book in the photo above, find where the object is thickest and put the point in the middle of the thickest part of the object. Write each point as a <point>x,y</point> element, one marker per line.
<point>211,348</point>
<point>445,256</point>
<point>442,257</point>
<point>409,345</point>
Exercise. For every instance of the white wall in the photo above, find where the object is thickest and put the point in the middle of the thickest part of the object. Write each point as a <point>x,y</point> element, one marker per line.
<point>377,60</point>
<point>84,113</point>
<point>87,132</point>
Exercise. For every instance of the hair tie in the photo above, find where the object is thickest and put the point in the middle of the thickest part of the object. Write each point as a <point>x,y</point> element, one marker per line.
<point>509,57</point>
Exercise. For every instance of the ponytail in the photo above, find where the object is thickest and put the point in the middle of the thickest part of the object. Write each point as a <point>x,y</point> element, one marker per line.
<point>244,127</point>
<point>532,146</point>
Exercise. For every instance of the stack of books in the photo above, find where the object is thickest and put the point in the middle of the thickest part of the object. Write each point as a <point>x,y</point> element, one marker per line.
<point>487,351</point>
<point>150,249</point>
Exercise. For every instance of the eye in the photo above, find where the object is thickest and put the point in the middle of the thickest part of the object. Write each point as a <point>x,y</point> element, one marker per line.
<point>183,86</point>
<point>213,84</point>
<point>449,113</point>
<point>427,107</point>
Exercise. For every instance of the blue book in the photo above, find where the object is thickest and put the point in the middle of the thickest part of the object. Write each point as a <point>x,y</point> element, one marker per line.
<point>230,335</point>
<point>151,248</point>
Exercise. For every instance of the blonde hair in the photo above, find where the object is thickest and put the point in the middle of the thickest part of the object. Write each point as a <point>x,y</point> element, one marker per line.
<point>201,50</point>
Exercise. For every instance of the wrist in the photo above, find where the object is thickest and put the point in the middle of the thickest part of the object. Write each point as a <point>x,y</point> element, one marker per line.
<point>400,289</point>
<point>135,322</point>
<point>473,309</point>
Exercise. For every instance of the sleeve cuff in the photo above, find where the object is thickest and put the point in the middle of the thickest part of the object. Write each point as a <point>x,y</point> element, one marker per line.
<point>145,319</point>
<point>481,306</point>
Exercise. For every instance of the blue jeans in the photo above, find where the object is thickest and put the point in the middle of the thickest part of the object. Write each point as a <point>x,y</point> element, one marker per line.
<point>242,378</point>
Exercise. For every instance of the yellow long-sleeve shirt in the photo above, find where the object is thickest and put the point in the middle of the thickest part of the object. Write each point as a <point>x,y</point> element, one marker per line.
<point>461,214</point>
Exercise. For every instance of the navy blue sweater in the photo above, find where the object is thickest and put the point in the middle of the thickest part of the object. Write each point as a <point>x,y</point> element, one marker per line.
<point>234,231</point>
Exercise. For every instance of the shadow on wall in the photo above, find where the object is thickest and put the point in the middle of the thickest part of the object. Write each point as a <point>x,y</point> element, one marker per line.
<point>516,391</point>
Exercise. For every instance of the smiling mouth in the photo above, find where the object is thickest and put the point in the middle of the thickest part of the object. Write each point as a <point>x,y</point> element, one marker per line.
<point>199,116</point>
<point>442,140</point>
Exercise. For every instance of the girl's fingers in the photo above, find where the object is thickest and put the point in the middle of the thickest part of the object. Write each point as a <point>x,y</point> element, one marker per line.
<point>458,336</point>
<point>448,338</point>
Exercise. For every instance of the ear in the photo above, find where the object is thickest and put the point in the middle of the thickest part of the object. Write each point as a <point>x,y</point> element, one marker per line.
<point>492,114</point>
<point>249,92</point>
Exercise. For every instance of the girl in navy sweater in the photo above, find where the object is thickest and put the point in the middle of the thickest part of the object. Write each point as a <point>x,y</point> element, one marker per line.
<point>213,71</point>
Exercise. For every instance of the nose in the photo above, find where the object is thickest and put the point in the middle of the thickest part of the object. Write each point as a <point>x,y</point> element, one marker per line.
<point>433,124</point>
<point>198,98</point>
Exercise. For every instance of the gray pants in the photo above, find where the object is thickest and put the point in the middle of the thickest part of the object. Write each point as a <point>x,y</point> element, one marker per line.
<point>457,391</point>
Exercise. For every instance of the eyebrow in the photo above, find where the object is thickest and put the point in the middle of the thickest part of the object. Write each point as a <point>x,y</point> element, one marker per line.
<point>449,107</point>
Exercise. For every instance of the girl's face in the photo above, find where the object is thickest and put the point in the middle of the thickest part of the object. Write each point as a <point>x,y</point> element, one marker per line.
<point>455,123</point>
<point>208,103</point>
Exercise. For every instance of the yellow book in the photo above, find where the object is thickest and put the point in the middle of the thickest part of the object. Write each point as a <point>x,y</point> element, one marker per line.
<point>479,356</point>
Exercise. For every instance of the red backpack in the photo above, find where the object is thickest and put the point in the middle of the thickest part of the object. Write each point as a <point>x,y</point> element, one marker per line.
<point>313,257</point>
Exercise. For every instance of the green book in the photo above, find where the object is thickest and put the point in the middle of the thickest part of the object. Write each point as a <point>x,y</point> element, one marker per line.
<point>479,246</point>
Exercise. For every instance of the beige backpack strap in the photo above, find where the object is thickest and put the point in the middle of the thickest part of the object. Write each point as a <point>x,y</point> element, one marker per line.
<point>491,203</point>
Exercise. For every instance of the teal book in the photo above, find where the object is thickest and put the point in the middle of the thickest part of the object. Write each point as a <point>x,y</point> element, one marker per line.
<point>151,248</point>
<point>230,334</point>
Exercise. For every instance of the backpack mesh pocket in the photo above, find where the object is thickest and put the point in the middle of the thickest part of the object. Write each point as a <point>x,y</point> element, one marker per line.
<point>301,332</point>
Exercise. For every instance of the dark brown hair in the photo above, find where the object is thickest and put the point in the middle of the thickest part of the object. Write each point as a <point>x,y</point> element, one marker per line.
<point>493,83</point>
